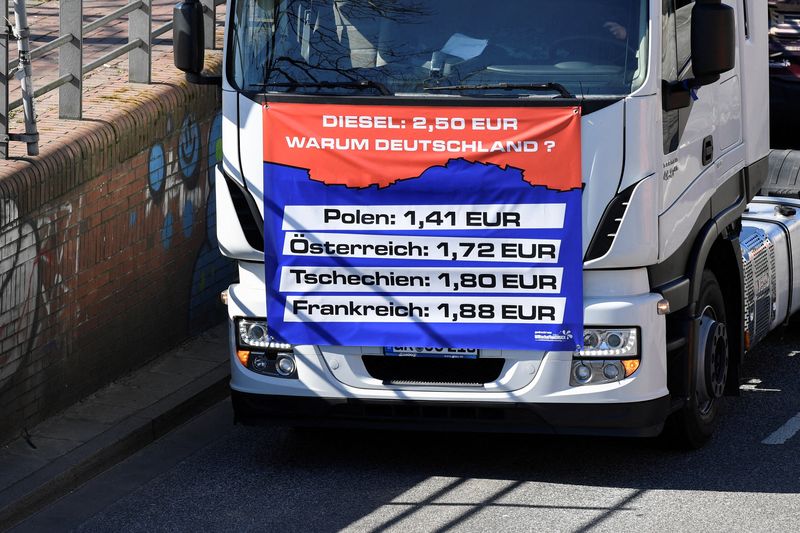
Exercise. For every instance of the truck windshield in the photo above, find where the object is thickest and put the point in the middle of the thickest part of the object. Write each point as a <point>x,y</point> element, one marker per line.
<point>463,47</point>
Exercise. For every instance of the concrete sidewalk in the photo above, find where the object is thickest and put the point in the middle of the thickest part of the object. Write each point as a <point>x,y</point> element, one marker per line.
<point>66,450</point>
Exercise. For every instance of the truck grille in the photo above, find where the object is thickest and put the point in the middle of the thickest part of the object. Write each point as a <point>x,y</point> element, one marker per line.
<point>431,372</point>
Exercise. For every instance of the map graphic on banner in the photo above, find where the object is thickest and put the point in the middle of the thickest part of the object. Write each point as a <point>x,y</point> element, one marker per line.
<point>439,227</point>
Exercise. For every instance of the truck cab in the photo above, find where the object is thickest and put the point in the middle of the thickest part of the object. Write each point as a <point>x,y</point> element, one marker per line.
<point>670,148</point>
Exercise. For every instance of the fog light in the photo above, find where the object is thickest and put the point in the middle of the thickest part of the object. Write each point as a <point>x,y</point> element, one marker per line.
<point>611,371</point>
<point>260,363</point>
<point>583,373</point>
<point>285,365</point>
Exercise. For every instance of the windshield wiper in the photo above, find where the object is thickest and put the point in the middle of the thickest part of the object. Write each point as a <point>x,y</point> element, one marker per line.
<point>557,87</point>
<point>361,84</point>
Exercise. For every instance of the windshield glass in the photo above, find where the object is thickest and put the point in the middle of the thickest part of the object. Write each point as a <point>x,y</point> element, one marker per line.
<point>466,47</point>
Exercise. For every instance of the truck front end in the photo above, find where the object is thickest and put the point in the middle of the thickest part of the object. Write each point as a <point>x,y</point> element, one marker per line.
<point>447,215</point>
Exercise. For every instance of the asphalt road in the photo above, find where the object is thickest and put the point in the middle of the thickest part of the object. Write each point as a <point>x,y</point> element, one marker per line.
<point>212,476</point>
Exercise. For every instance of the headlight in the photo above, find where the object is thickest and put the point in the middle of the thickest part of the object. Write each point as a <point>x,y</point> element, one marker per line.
<point>254,334</point>
<point>614,343</point>
<point>259,352</point>
<point>608,355</point>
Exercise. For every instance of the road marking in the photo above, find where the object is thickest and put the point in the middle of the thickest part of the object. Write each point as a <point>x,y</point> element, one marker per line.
<point>753,384</point>
<point>785,432</point>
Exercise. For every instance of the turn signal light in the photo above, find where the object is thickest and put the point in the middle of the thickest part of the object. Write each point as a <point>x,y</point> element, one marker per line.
<point>243,356</point>
<point>631,366</point>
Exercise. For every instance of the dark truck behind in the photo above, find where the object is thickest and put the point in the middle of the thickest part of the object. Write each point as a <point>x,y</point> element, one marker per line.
<point>784,50</point>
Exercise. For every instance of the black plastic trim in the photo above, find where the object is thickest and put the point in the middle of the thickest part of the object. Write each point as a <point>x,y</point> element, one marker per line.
<point>725,209</point>
<point>676,344</point>
<point>239,139</point>
<point>422,100</point>
<point>609,225</point>
<point>756,176</point>
<point>675,96</point>
<point>783,171</point>
<point>722,211</point>
<point>247,212</point>
<point>708,150</point>
<point>587,106</point>
<point>714,230</point>
<point>624,141</point>
<point>433,370</point>
<point>204,79</point>
<point>676,291</point>
<point>678,279</point>
<point>639,419</point>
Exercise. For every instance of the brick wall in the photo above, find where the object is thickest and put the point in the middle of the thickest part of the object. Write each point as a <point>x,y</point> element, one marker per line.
<point>108,254</point>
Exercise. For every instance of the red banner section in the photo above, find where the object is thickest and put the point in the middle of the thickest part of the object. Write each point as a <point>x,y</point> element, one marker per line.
<point>362,146</point>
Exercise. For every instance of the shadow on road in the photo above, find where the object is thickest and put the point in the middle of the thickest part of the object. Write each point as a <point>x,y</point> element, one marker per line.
<point>273,479</point>
<point>374,468</point>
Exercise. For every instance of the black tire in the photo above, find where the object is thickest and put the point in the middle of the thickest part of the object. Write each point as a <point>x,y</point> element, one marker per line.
<point>692,426</point>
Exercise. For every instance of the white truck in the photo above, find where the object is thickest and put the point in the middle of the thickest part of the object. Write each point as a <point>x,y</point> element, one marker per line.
<point>640,128</point>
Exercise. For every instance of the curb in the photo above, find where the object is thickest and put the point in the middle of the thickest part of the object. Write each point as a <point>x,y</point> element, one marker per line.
<point>66,473</point>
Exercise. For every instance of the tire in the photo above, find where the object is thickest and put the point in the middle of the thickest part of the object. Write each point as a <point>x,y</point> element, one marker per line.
<point>692,426</point>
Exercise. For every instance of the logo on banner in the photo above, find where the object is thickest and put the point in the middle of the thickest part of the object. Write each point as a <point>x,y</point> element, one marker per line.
<point>423,226</point>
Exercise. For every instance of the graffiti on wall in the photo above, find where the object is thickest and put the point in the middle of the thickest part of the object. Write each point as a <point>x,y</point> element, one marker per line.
<point>41,253</point>
<point>19,288</point>
<point>212,271</point>
<point>37,269</point>
<point>179,186</point>
<point>174,186</point>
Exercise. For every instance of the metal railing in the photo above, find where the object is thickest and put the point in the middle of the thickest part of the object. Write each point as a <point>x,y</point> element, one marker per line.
<point>71,69</point>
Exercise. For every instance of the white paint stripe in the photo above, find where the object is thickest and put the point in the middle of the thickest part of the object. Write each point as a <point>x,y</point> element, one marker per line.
<point>423,217</point>
<point>785,432</point>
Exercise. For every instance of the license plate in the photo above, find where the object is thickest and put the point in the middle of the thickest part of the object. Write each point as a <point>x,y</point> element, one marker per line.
<point>433,353</point>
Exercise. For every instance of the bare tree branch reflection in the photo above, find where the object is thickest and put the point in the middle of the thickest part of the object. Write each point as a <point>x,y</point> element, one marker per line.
<point>394,43</point>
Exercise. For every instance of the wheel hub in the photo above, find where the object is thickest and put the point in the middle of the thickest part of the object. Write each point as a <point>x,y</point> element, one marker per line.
<point>712,361</point>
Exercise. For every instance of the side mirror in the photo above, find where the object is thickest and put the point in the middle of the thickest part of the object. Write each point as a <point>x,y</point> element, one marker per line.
<point>188,42</point>
<point>713,40</point>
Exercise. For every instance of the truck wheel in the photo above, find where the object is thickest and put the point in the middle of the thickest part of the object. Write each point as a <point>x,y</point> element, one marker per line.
<point>693,424</point>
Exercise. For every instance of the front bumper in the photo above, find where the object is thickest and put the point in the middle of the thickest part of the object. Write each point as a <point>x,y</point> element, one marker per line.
<point>641,419</point>
<point>532,394</point>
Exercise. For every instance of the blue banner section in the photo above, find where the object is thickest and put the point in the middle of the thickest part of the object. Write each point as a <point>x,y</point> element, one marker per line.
<point>466,255</point>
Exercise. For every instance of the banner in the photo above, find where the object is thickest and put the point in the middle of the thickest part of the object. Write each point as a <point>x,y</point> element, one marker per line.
<point>429,226</point>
